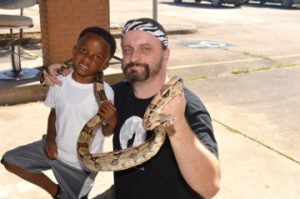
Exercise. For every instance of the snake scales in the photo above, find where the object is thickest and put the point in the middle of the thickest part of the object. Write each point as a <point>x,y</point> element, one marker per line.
<point>133,156</point>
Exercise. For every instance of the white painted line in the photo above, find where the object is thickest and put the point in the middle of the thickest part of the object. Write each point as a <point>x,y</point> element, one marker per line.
<point>232,61</point>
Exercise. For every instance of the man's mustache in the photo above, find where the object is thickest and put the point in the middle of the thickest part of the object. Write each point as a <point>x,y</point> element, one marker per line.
<point>131,64</point>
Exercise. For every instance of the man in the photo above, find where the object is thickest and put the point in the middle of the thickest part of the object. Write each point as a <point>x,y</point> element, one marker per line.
<point>187,164</point>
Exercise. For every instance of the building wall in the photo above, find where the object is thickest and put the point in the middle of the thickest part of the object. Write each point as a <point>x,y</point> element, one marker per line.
<point>62,21</point>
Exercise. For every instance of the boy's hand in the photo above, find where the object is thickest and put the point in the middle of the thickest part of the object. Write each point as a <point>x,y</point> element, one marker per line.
<point>50,150</point>
<point>109,113</point>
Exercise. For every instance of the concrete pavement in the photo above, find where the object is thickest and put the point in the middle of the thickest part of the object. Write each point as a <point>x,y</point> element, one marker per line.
<point>249,168</point>
<point>253,113</point>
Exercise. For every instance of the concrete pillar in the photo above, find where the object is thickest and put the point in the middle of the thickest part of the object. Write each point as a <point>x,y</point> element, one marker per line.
<point>63,20</point>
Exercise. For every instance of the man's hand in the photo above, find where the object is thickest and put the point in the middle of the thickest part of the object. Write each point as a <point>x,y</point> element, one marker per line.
<point>50,150</point>
<point>109,113</point>
<point>50,74</point>
<point>173,113</point>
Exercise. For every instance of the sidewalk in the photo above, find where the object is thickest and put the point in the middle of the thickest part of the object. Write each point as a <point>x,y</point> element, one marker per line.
<point>249,169</point>
<point>253,125</point>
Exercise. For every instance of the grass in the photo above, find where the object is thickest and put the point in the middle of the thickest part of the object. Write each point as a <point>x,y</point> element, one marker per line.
<point>193,78</point>
<point>257,56</point>
<point>286,65</point>
<point>262,68</point>
<point>243,71</point>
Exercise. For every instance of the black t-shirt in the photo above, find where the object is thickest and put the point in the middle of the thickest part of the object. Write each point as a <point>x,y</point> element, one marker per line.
<point>160,177</point>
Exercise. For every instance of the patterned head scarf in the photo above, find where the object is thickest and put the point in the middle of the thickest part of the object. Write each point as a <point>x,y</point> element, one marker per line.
<point>148,25</point>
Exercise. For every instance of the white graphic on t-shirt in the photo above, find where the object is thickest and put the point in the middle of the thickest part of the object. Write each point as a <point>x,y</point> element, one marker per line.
<point>132,132</point>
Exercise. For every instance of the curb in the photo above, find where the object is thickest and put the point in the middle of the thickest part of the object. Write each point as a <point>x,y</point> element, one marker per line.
<point>37,92</point>
<point>35,37</point>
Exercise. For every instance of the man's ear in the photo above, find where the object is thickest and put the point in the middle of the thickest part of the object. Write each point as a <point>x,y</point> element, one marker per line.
<point>166,54</point>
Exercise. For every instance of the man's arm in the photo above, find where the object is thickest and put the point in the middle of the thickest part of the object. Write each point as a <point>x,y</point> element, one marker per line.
<point>50,147</point>
<point>199,167</point>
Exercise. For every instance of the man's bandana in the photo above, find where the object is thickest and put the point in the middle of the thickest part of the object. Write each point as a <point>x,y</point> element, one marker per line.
<point>146,25</point>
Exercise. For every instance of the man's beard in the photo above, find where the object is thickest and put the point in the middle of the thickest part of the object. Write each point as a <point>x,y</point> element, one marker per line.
<point>134,76</point>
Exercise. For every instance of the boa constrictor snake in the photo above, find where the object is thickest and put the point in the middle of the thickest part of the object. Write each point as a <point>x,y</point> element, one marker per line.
<point>133,156</point>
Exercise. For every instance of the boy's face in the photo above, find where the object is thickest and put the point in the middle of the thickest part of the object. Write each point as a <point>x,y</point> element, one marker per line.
<point>90,55</point>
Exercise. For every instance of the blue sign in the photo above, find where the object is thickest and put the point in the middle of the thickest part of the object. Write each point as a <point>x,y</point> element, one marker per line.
<point>204,44</point>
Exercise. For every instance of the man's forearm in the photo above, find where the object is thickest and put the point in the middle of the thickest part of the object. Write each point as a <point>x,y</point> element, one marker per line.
<point>199,167</point>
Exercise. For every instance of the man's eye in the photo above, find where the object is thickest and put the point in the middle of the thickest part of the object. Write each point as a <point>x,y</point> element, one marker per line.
<point>145,49</point>
<point>127,50</point>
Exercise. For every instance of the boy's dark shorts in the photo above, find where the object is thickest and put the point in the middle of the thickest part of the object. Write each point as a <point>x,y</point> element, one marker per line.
<point>32,158</point>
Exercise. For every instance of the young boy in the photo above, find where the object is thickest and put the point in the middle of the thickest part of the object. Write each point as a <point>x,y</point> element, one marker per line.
<point>72,105</point>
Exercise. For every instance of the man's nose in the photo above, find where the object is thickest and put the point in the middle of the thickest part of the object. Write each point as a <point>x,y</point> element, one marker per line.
<point>134,56</point>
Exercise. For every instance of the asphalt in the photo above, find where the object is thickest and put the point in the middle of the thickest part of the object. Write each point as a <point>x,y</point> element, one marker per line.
<point>251,114</point>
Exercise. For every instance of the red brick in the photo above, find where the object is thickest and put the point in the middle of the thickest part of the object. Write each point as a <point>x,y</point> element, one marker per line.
<point>62,21</point>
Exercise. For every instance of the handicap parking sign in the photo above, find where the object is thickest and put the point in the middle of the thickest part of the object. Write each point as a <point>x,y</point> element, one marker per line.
<point>204,44</point>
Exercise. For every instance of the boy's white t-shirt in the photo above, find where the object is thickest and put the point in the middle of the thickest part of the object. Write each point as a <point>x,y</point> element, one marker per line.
<point>75,104</point>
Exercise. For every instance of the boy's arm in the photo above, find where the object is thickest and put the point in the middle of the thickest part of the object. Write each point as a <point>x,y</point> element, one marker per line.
<point>50,147</point>
<point>109,113</point>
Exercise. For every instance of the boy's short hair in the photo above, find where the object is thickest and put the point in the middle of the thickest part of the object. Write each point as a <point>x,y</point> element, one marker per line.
<point>102,33</point>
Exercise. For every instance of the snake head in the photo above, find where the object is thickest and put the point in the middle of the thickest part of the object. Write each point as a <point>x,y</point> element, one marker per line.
<point>169,91</point>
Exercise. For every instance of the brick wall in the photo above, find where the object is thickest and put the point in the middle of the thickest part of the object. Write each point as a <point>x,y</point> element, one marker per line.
<point>63,20</point>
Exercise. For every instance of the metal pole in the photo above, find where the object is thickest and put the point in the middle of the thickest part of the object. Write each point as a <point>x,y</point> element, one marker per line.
<point>155,10</point>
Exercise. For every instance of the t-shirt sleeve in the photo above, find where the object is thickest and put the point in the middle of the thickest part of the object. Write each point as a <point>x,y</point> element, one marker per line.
<point>54,91</point>
<point>109,92</point>
<point>50,97</point>
<point>200,121</point>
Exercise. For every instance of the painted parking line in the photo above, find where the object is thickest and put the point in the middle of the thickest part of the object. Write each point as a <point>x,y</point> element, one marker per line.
<point>232,61</point>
